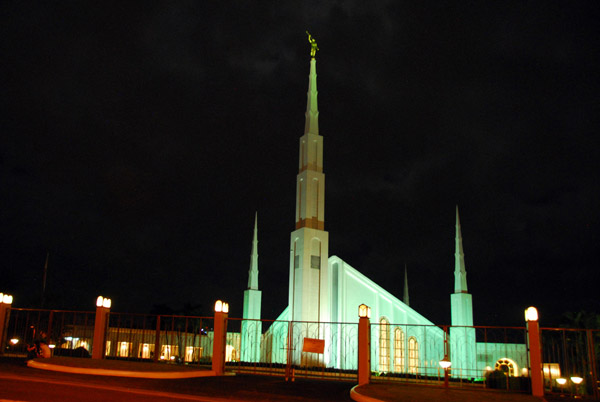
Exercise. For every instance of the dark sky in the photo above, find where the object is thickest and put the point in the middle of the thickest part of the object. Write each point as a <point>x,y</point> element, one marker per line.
<point>137,140</point>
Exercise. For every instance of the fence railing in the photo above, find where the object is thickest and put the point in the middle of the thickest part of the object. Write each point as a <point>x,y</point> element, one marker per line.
<point>569,354</point>
<point>485,357</point>
<point>296,349</point>
<point>62,330</point>
<point>167,338</point>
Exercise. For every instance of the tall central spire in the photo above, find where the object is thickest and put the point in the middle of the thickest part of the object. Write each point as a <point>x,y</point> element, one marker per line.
<point>310,190</point>
<point>460,273</point>
<point>312,110</point>
<point>309,243</point>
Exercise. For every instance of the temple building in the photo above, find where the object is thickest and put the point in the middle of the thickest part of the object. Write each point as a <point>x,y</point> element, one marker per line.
<point>318,326</point>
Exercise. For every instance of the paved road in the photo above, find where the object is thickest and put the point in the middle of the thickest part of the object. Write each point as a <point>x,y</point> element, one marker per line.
<point>19,388</point>
<point>20,383</point>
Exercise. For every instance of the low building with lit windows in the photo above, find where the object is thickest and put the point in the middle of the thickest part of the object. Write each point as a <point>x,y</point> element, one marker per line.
<point>140,344</point>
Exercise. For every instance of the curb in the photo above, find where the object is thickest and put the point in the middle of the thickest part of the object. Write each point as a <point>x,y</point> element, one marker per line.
<point>355,395</point>
<point>121,373</point>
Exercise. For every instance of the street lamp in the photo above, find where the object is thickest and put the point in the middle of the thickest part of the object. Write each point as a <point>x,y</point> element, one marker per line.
<point>577,380</point>
<point>561,382</point>
<point>103,302</point>
<point>364,311</point>
<point>221,307</point>
<point>531,314</point>
<point>5,299</point>
<point>445,363</point>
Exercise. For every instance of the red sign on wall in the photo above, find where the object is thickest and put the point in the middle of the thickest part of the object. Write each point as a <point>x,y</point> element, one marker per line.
<point>313,345</point>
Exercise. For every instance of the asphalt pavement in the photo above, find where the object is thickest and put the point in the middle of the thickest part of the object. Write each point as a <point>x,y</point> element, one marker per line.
<point>18,382</point>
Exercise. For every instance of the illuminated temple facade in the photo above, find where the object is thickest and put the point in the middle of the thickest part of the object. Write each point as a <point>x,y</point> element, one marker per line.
<point>318,326</point>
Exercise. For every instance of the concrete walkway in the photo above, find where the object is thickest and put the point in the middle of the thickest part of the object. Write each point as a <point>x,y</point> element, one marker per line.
<point>119,368</point>
<point>421,393</point>
<point>365,393</point>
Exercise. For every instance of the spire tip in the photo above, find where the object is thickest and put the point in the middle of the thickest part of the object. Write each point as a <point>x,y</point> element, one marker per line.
<point>313,45</point>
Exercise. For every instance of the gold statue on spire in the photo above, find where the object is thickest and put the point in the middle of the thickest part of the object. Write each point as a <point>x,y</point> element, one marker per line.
<point>313,45</point>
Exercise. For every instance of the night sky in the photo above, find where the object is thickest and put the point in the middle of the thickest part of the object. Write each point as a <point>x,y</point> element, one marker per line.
<point>138,140</point>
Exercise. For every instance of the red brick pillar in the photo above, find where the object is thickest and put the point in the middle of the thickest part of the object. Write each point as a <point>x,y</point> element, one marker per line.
<point>220,337</point>
<point>102,310</point>
<point>5,302</point>
<point>364,344</point>
<point>535,352</point>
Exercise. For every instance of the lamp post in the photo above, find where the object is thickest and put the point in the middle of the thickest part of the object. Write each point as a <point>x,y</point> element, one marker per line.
<point>445,363</point>
<point>364,344</point>
<point>535,352</point>
<point>577,380</point>
<point>103,305</point>
<point>364,311</point>
<point>561,382</point>
<point>5,302</point>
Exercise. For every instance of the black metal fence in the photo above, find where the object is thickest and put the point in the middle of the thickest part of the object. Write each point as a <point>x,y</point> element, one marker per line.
<point>296,349</point>
<point>166,338</point>
<point>485,357</point>
<point>571,361</point>
<point>66,332</point>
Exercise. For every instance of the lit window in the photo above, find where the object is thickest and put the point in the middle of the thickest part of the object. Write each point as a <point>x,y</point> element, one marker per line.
<point>146,351</point>
<point>169,352</point>
<point>384,345</point>
<point>398,350</point>
<point>192,354</point>
<point>123,350</point>
<point>230,354</point>
<point>83,344</point>
<point>413,355</point>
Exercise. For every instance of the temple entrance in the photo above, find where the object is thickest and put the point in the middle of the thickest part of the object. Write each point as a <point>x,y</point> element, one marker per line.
<point>507,366</point>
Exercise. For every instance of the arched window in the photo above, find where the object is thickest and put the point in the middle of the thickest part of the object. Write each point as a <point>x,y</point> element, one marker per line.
<point>413,355</point>
<point>398,350</point>
<point>384,345</point>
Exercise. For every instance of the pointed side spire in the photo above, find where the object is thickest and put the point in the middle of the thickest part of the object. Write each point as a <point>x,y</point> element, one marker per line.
<point>460,273</point>
<point>406,299</point>
<point>312,111</point>
<point>253,272</point>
